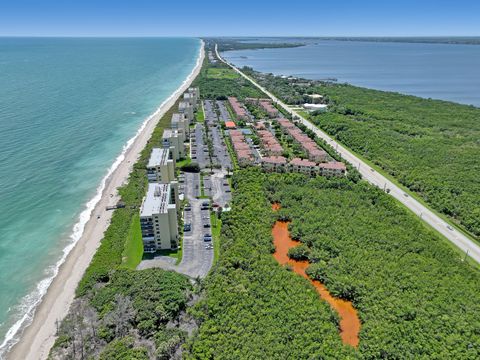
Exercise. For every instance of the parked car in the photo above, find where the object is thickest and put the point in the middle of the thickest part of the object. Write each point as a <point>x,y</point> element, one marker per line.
<point>187,227</point>
<point>188,207</point>
<point>207,237</point>
<point>206,225</point>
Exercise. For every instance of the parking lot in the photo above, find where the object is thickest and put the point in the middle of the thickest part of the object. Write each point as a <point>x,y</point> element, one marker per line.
<point>224,114</point>
<point>198,149</point>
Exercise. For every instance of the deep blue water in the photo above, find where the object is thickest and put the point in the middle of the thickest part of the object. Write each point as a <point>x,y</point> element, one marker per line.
<point>67,107</point>
<point>438,71</point>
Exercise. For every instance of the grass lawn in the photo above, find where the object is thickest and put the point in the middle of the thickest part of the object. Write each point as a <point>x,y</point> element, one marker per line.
<point>221,73</point>
<point>133,251</point>
<point>184,162</point>
<point>232,153</point>
<point>200,115</point>
<point>216,229</point>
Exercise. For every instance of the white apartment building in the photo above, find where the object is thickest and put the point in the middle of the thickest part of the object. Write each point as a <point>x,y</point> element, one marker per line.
<point>161,166</point>
<point>158,217</point>
<point>185,108</point>
<point>191,99</point>
<point>174,140</point>
<point>180,122</point>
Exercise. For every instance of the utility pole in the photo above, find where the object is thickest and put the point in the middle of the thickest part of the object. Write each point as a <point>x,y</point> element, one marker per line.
<point>466,255</point>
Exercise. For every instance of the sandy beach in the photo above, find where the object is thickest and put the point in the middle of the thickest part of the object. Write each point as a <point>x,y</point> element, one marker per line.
<point>37,339</point>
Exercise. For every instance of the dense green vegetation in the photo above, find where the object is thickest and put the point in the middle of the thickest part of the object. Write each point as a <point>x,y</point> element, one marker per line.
<point>220,87</point>
<point>226,44</point>
<point>253,308</point>
<point>127,318</point>
<point>432,147</point>
<point>415,296</point>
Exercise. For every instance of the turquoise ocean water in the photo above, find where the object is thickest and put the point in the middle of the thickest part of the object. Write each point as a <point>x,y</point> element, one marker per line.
<point>67,108</point>
<point>439,71</point>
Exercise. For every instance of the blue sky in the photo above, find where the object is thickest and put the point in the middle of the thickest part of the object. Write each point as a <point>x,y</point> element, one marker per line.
<point>254,18</point>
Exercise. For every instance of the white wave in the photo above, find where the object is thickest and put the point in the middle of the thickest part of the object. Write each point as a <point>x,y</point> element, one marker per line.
<point>30,302</point>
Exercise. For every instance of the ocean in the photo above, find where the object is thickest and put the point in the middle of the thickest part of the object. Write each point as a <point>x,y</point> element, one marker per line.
<point>440,71</point>
<point>68,106</point>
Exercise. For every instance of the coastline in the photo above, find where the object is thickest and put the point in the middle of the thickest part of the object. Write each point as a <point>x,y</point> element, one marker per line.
<point>33,340</point>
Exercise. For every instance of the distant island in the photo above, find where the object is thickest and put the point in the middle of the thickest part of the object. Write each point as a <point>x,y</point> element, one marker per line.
<point>227,44</point>
<point>248,43</point>
<point>464,40</point>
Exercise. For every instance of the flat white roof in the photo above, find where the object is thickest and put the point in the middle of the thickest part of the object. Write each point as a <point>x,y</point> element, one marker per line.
<point>178,117</point>
<point>157,200</point>
<point>168,133</point>
<point>183,105</point>
<point>317,106</point>
<point>158,157</point>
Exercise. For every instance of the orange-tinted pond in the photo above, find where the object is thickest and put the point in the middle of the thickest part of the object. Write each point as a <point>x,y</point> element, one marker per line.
<point>349,321</point>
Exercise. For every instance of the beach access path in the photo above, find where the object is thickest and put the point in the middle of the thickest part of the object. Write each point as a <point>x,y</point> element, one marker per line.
<point>39,336</point>
<point>456,237</point>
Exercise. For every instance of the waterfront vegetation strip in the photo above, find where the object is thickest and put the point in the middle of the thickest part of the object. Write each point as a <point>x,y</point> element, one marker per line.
<point>431,147</point>
<point>109,255</point>
<point>114,300</point>
<point>365,247</point>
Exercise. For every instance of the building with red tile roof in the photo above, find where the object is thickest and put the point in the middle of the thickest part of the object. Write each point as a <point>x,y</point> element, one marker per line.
<point>238,109</point>
<point>269,108</point>
<point>274,163</point>
<point>303,166</point>
<point>332,168</point>
<point>230,125</point>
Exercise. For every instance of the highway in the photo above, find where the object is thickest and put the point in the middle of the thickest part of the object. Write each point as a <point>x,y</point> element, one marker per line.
<point>469,247</point>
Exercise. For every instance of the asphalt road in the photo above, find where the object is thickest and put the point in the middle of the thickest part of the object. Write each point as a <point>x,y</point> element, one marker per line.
<point>456,237</point>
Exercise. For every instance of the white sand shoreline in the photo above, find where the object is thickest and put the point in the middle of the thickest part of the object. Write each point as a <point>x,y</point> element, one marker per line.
<point>38,337</point>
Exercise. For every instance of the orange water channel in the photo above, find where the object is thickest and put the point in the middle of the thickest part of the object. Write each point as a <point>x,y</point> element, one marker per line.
<point>349,321</point>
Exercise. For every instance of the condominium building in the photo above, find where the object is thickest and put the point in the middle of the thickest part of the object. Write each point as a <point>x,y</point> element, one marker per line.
<point>174,140</point>
<point>161,166</point>
<point>237,108</point>
<point>274,164</point>
<point>303,166</point>
<point>195,92</point>
<point>185,108</point>
<point>332,168</point>
<point>180,122</point>
<point>158,218</point>
<point>191,99</point>
<point>269,108</point>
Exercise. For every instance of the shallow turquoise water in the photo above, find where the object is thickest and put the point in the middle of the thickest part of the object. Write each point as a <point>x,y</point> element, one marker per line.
<point>439,71</point>
<point>67,107</point>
